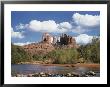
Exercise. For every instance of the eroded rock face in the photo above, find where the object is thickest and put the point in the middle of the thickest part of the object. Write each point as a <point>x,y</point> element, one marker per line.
<point>47,38</point>
<point>38,48</point>
<point>49,43</point>
<point>64,39</point>
<point>67,40</point>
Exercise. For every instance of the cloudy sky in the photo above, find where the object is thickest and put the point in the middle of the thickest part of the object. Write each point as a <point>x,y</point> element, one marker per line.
<point>28,26</point>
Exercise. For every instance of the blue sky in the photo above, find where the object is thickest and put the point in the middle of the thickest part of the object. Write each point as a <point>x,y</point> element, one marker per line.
<point>28,26</point>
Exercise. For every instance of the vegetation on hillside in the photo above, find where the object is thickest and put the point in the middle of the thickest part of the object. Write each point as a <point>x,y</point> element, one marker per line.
<point>85,53</point>
<point>18,54</point>
<point>63,56</point>
<point>91,51</point>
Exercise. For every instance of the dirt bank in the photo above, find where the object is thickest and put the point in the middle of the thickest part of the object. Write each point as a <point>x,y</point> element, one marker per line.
<point>75,65</point>
<point>94,65</point>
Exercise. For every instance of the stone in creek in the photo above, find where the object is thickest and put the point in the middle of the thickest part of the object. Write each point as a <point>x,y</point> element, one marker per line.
<point>69,74</point>
<point>75,74</point>
<point>91,73</point>
<point>83,74</point>
<point>61,75</point>
<point>35,75</point>
<point>49,74</point>
<point>53,75</point>
<point>86,75</point>
<point>19,75</point>
<point>42,73</point>
<point>30,75</point>
<point>24,75</point>
<point>57,75</point>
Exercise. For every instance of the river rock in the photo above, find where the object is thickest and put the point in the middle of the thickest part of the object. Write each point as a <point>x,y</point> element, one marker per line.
<point>36,75</point>
<point>30,75</point>
<point>24,75</point>
<point>49,74</point>
<point>42,73</point>
<point>91,73</point>
<point>75,74</point>
<point>19,75</point>
<point>69,74</point>
<point>86,75</point>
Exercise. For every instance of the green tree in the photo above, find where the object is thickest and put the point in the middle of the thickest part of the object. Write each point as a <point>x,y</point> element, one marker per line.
<point>18,54</point>
<point>91,51</point>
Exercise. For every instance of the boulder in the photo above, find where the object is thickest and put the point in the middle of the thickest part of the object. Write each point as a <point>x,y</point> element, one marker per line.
<point>75,74</point>
<point>69,74</point>
<point>91,73</point>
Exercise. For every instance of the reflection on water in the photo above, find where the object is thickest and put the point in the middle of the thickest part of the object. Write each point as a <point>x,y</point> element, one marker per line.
<point>31,68</point>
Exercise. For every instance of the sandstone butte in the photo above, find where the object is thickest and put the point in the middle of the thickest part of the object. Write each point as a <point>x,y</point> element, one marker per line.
<point>49,43</point>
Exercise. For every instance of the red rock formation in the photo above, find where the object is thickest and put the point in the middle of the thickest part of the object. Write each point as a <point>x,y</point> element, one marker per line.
<point>46,46</point>
<point>47,38</point>
<point>38,48</point>
<point>68,40</point>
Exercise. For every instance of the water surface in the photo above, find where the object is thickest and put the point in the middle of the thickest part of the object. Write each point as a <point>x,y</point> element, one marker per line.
<point>35,68</point>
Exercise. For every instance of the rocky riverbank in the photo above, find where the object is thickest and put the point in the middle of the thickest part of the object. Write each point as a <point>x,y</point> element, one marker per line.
<point>71,74</point>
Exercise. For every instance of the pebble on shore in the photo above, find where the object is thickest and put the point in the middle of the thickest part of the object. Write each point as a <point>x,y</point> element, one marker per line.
<point>72,74</point>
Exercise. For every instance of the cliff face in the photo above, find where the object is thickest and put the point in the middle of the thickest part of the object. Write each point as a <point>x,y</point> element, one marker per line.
<point>48,44</point>
<point>47,38</point>
<point>38,48</point>
<point>68,41</point>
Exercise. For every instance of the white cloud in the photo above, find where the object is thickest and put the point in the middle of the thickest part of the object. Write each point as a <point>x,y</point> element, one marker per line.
<point>21,26</point>
<point>49,26</point>
<point>86,20</point>
<point>22,44</point>
<point>84,23</point>
<point>79,30</point>
<point>16,34</point>
<point>65,25</point>
<point>45,26</point>
<point>80,24</point>
<point>83,39</point>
